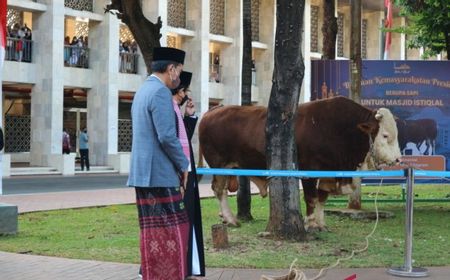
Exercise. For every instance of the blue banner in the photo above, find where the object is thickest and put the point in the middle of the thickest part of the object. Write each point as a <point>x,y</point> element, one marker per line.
<point>417,92</point>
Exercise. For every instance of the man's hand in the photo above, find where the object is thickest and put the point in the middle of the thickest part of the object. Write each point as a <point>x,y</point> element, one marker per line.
<point>184,183</point>
<point>190,108</point>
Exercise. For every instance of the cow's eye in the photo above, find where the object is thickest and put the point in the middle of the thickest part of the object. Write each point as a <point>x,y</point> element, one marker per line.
<point>385,136</point>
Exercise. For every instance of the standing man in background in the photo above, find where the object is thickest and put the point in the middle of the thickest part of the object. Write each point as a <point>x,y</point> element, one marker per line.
<point>186,127</point>
<point>159,170</point>
<point>84,149</point>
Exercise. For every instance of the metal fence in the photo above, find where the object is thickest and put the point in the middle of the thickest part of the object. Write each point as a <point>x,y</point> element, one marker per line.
<point>17,134</point>
<point>124,137</point>
<point>407,270</point>
<point>128,63</point>
<point>18,49</point>
<point>81,5</point>
<point>75,56</point>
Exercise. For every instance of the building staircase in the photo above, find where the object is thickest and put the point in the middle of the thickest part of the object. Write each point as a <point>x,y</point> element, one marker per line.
<point>38,171</point>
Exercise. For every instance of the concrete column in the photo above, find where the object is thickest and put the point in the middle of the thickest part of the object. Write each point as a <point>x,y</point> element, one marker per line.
<point>373,35</point>
<point>231,55</point>
<point>381,35</point>
<point>403,41</point>
<point>47,98</point>
<point>305,95</point>
<point>103,98</point>
<point>197,56</point>
<point>197,52</point>
<point>264,58</point>
<point>153,9</point>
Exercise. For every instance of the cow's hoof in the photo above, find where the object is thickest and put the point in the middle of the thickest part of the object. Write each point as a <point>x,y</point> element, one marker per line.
<point>323,228</point>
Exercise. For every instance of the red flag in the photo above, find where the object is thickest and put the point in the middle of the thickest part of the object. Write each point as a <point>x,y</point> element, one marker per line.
<point>388,24</point>
<point>3,8</point>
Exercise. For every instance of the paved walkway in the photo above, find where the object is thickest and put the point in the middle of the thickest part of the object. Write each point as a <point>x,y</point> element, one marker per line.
<point>24,267</point>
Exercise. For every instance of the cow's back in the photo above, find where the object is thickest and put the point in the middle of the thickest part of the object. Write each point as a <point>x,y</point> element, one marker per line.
<point>234,135</point>
<point>328,137</point>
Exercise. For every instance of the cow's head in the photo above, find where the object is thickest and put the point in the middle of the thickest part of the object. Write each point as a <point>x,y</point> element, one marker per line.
<point>383,134</point>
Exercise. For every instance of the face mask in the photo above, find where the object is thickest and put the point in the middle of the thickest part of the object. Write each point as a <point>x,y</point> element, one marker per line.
<point>175,81</point>
<point>185,98</point>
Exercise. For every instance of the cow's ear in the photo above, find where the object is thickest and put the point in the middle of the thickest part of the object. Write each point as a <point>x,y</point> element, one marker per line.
<point>367,127</point>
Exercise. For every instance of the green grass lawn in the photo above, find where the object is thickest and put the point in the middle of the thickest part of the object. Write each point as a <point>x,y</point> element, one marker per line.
<point>111,234</point>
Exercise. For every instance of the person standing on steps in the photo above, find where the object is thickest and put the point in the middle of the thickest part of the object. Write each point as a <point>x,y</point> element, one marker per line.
<point>84,149</point>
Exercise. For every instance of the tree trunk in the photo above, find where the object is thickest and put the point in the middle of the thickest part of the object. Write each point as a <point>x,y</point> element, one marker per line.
<point>354,201</point>
<point>329,30</point>
<point>146,33</point>
<point>244,198</point>
<point>285,219</point>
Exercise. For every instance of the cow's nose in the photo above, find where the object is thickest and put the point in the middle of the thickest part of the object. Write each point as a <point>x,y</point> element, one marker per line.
<point>398,161</point>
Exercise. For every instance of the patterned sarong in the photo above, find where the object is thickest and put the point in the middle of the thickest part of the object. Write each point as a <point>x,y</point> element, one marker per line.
<point>164,231</point>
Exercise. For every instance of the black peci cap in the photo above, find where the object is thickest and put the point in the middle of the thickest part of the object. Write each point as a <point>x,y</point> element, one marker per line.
<point>170,54</point>
<point>185,78</point>
<point>185,81</point>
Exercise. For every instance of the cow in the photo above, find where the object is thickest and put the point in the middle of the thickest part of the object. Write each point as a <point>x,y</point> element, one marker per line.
<point>331,134</point>
<point>418,132</point>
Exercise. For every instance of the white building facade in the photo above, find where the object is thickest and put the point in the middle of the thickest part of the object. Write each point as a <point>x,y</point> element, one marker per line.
<point>50,84</point>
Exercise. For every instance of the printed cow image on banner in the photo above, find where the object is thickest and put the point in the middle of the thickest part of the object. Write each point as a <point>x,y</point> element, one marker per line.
<point>417,92</point>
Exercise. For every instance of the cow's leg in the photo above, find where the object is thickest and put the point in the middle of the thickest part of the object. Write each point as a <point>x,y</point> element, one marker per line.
<point>219,186</point>
<point>311,199</point>
<point>319,211</point>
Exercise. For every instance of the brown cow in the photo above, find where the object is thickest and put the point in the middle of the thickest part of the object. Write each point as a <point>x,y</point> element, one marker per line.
<point>331,134</point>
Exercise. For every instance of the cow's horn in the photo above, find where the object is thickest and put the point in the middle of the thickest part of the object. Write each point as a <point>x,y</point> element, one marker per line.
<point>378,115</point>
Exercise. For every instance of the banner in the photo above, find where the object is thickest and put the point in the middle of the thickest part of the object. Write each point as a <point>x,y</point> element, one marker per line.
<point>417,92</point>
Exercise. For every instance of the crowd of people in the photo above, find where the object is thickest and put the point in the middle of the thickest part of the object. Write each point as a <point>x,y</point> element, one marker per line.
<point>128,56</point>
<point>76,51</point>
<point>18,45</point>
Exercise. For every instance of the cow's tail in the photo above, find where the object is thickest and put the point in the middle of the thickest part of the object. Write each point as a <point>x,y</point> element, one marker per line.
<point>200,163</point>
